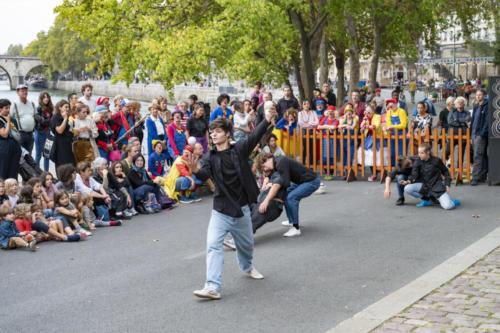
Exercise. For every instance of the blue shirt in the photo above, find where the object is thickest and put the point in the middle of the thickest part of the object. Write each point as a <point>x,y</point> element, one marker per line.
<point>219,113</point>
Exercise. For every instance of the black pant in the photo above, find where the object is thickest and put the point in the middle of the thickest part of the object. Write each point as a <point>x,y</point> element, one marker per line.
<point>27,141</point>
<point>10,155</point>
<point>274,210</point>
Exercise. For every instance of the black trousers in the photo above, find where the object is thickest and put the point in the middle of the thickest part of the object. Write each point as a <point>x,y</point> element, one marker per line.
<point>274,210</point>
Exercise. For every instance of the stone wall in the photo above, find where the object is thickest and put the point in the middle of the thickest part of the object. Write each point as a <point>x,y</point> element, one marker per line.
<point>143,92</point>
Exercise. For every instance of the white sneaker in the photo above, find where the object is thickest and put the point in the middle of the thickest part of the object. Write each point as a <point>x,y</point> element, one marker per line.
<point>229,243</point>
<point>254,274</point>
<point>207,293</point>
<point>286,224</point>
<point>292,233</point>
<point>321,189</point>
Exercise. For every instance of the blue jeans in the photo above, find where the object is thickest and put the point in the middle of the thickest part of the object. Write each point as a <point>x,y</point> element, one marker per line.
<point>102,212</point>
<point>401,188</point>
<point>141,192</point>
<point>40,138</point>
<point>241,230</point>
<point>297,193</point>
<point>444,200</point>
<point>183,183</point>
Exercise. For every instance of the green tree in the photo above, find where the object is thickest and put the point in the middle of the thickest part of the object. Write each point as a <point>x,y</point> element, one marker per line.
<point>14,50</point>
<point>61,49</point>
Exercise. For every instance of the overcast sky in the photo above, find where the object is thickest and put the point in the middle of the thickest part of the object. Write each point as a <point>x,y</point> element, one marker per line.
<point>21,20</point>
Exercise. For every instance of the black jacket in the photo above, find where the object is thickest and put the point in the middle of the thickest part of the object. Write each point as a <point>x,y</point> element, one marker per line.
<point>285,104</point>
<point>136,180</point>
<point>431,173</point>
<point>479,123</point>
<point>211,166</point>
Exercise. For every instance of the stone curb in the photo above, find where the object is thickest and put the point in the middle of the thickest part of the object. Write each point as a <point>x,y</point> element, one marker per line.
<point>391,305</point>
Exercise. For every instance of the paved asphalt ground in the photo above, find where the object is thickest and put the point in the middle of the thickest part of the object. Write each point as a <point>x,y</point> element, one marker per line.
<point>356,248</point>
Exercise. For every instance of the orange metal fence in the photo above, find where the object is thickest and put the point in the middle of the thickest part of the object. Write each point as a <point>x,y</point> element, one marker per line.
<point>335,153</point>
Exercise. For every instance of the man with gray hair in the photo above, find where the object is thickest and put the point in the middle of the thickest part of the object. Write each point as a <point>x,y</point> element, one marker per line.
<point>23,113</point>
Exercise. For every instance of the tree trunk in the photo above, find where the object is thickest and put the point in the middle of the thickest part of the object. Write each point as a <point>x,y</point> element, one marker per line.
<point>353,53</point>
<point>296,70</point>
<point>377,48</point>
<point>340,65</point>
<point>323,58</point>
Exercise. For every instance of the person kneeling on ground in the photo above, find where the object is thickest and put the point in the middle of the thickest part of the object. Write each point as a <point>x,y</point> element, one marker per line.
<point>180,182</point>
<point>299,181</point>
<point>429,172</point>
<point>270,201</point>
<point>401,173</point>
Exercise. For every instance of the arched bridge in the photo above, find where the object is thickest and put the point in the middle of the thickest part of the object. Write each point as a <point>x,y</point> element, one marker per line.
<point>17,68</point>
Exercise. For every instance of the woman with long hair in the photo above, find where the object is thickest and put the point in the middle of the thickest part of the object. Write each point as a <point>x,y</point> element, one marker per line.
<point>62,128</point>
<point>43,116</point>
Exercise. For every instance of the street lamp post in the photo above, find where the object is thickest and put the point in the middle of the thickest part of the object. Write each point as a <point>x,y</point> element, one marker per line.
<point>454,51</point>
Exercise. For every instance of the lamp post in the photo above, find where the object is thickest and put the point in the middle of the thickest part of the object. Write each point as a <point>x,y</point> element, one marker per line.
<point>454,50</point>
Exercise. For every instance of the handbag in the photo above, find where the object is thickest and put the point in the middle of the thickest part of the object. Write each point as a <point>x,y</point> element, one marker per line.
<point>14,133</point>
<point>49,147</point>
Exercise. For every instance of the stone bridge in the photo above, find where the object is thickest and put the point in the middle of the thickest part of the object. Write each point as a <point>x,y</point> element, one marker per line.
<point>18,67</point>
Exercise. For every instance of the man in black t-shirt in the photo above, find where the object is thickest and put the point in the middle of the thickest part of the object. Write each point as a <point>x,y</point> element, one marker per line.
<point>270,202</point>
<point>299,181</point>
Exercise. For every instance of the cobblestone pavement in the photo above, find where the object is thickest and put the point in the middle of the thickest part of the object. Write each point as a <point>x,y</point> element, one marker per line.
<point>468,303</point>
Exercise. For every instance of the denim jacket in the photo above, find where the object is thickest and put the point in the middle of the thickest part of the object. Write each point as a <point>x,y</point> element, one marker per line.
<point>7,231</point>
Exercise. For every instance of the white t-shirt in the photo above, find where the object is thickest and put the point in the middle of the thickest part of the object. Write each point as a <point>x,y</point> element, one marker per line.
<point>26,121</point>
<point>82,188</point>
<point>160,129</point>
<point>91,103</point>
<point>241,120</point>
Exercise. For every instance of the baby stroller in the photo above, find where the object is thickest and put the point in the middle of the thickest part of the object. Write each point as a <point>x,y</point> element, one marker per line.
<point>27,166</point>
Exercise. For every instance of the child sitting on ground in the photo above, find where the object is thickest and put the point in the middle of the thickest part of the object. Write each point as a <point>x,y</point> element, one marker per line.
<point>66,212</point>
<point>157,160</point>
<point>10,237</point>
<point>48,188</point>
<point>22,214</point>
<point>11,189</point>
<point>89,217</point>
<point>77,202</point>
<point>54,228</point>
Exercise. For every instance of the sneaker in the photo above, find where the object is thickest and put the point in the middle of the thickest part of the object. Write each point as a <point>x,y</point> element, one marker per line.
<point>229,243</point>
<point>424,203</point>
<point>207,293</point>
<point>150,210</point>
<point>456,202</point>
<point>116,223</point>
<point>185,200</point>
<point>293,232</point>
<point>133,211</point>
<point>194,197</point>
<point>83,235</point>
<point>328,178</point>
<point>128,214</point>
<point>141,210</point>
<point>254,274</point>
<point>400,202</point>
<point>286,224</point>
<point>474,182</point>
<point>32,245</point>
<point>321,189</point>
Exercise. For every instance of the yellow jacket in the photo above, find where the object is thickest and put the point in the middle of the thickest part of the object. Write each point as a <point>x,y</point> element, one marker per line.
<point>375,122</point>
<point>171,178</point>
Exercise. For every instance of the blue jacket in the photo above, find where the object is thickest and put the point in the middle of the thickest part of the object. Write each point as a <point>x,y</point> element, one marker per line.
<point>283,122</point>
<point>479,122</point>
<point>7,231</point>
<point>153,133</point>
<point>217,112</point>
<point>157,162</point>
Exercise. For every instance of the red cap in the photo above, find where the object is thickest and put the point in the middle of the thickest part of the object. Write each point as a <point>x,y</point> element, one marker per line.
<point>101,100</point>
<point>391,100</point>
<point>188,148</point>
<point>331,108</point>
<point>378,90</point>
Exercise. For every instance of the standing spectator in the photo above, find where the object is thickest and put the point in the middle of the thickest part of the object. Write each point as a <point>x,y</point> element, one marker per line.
<point>197,126</point>
<point>379,101</point>
<point>260,108</point>
<point>192,101</point>
<point>87,98</point>
<point>155,128</point>
<point>222,111</point>
<point>104,141</point>
<point>85,132</point>
<point>443,115</point>
<point>458,118</point>
<point>356,103</point>
<point>400,103</point>
<point>467,91</point>
<point>307,122</point>
<point>122,122</point>
<point>176,136</point>
<point>23,112</point>
<point>165,113</point>
<point>61,126</point>
<point>258,92</point>
<point>42,117</point>
<point>10,149</point>
<point>242,122</point>
<point>73,101</point>
<point>396,121</point>
<point>422,122</point>
<point>480,127</point>
<point>328,94</point>
<point>412,87</point>
<point>287,101</point>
